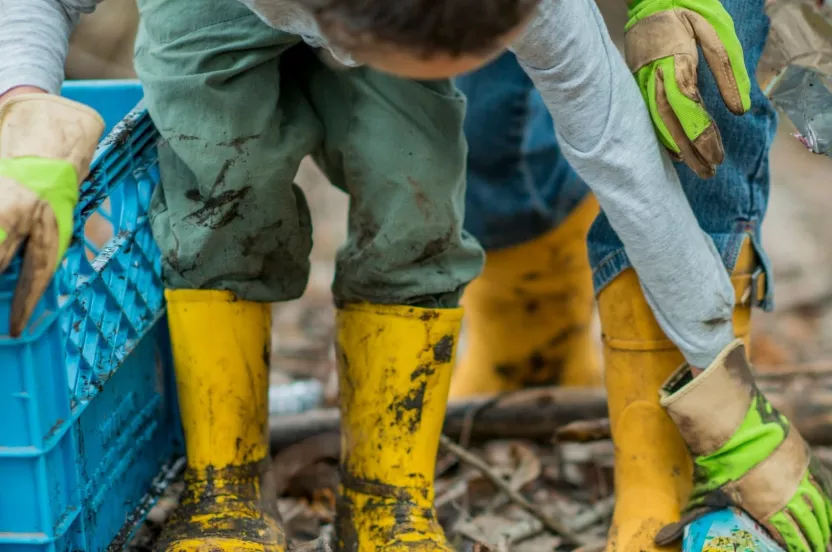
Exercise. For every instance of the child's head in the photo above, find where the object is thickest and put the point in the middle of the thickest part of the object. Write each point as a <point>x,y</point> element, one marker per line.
<point>422,39</point>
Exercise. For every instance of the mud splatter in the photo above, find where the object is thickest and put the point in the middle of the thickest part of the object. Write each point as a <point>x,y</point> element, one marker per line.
<point>420,198</point>
<point>219,182</point>
<point>210,504</point>
<point>238,143</point>
<point>434,248</point>
<point>713,322</point>
<point>219,211</point>
<point>409,408</point>
<point>443,350</point>
<point>423,370</point>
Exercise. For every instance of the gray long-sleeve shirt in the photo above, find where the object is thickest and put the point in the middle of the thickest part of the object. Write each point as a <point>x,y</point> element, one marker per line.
<point>602,124</point>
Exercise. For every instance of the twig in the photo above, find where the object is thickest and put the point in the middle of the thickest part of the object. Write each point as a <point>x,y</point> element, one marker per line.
<point>317,545</point>
<point>552,524</point>
<point>294,510</point>
<point>455,491</point>
<point>584,431</point>
<point>522,530</point>
<point>595,513</point>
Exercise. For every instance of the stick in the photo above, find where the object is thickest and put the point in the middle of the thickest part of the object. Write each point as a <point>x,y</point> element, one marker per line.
<point>530,414</point>
<point>584,431</point>
<point>597,512</point>
<point>802,393</point>
<point>552,524</point>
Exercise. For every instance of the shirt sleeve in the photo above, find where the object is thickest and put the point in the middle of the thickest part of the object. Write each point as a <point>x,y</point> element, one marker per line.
<point>34,37</point>
<point>605,132</point>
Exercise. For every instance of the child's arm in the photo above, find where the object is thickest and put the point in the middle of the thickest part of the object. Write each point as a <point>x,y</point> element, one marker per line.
<point>34,35</point>
<point>605,132</point>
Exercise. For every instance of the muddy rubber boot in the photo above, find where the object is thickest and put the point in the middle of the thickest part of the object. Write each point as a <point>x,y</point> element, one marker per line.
<point>221,352</point>
<point>395,367</point>
<point>528,315</point>
<point>653,470</point>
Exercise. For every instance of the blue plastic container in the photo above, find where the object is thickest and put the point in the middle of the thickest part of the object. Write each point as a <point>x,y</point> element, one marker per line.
<point>87,396</point>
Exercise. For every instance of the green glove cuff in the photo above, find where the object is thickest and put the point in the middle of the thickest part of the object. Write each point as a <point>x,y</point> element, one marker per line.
<point>746,453</point>
<point>760,433</point>
<point>805,520</point>
<point>53,180</point>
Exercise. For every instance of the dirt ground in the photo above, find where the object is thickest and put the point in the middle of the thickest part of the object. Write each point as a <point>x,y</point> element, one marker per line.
<point>568,476</point>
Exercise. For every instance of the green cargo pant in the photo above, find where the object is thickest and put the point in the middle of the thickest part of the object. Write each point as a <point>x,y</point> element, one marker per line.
<point>239,104</point>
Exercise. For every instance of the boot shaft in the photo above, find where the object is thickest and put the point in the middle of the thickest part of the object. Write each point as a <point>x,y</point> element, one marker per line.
<point>221,355</point>
<point>528,315</point>
<point>395,367</point>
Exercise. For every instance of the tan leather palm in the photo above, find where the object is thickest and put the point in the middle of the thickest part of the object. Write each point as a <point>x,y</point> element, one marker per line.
<point>37,127</point>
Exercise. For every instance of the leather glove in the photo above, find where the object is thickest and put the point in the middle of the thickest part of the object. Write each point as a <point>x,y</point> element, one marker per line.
<point>747,454</point>
<point>46,145</point>
<point>660,44</point>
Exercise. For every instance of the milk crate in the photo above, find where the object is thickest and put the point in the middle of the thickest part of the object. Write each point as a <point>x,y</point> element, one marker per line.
<point>90,433</point>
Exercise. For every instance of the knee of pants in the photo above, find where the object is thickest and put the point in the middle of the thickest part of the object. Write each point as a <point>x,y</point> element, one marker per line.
<point>406,244</point>
<point>226,214</point>
<point>407,261</point>
<point>251,238</point>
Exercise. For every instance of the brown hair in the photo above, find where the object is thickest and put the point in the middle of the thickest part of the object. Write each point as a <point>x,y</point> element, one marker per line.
<point>422,27</point>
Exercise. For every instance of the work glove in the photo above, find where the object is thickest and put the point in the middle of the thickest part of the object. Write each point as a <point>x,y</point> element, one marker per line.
<point>747,454</point>
<point>46,145</point>
<point>660,45</point>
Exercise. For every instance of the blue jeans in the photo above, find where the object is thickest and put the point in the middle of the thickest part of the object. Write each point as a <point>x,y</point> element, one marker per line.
<point>519,185</point>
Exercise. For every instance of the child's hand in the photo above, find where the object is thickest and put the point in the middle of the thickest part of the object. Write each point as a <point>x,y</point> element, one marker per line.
<point>747,454</point>
<point>46,144</point>
<point>661,41</point>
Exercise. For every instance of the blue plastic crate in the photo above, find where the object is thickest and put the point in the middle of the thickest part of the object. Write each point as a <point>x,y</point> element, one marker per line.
<point>87,393</point>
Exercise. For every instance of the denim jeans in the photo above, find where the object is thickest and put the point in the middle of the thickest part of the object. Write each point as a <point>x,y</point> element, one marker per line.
<point>519,186</point>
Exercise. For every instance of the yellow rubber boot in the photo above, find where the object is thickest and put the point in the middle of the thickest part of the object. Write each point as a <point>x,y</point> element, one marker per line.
<point>746,290</point>
<point>653,470</point>
<point>528,315</point>
<point>395,368</point>
<point>220,352</point>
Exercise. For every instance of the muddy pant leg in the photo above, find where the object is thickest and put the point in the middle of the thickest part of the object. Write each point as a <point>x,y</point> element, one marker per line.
<point>235,127</point>
<point>397,148</point>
